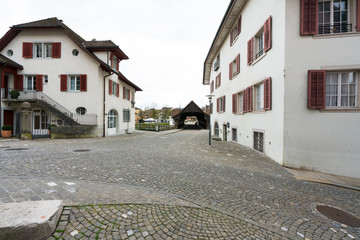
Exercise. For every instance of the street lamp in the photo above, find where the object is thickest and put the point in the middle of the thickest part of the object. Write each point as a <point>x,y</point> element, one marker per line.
<point>210,98</point>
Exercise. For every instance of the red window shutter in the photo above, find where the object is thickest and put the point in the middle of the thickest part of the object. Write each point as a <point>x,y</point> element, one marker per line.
<point>267,34</point>
<point>244,101</point>
<point>223,103</point>
<point>217,104</point>
<point>238,63</point>
<point>124,92</point>
<point>267,94</point>
<point>63,82</point>
<point>239,25</point>
<point>83,82</point>
<point>234,98</point>
<point>110,87</point>
<point>308,17</point>
<point>231,37</point>
<point>39,83</point>
<point>250,51</point>
<point>18,83</point>
<point>358,15</point>
<point>27,50</point>
<point>56,50</point>
<point>230,70</point>
<point>316,89</point>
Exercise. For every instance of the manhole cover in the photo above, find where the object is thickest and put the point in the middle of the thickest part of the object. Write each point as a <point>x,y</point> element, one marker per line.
<point>339,216</point>
<point>16,149</point>
<point>82,150</point>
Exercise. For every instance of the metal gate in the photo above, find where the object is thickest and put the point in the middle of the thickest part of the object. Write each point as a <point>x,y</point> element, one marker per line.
<point>259,141</point>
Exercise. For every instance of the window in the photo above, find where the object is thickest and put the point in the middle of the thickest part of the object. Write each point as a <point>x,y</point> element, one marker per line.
<point>259,96</point>
<point>341,89</point>
<point>112,119</point>
<point>220,104</point>
<point>74,83</point>
<point>126,115</point>
<point>81,110</point>
<point>234,134</point>
<point>334,17</point>
<point>235,32</point>
<point>30,82</point>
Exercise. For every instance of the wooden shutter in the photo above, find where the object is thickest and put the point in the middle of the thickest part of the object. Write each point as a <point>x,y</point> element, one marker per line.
<point>39,83</point>
<point>124,92</point>
<point>358,15</point>
<point>267,94</point>
<point>27,50</point>
<point>308,17</point>
<point>110,87</point>
<point>83,82</point>
<point>223,103</point>
<point>316,89</point>
<point>238,63</point>
<point>56,50</point>
<point>230,70</point>
<point>217,104</point>
<point>234,100</point>
<point>19,82</point>
<point>244,101</point>
<point>267,34</point>
<point>250,51</point>
<point>63,82</point>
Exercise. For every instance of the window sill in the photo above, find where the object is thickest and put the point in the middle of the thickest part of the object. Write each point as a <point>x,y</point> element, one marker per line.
<point>336,35</point>
<point>258,59</point>
<point>340,110</point>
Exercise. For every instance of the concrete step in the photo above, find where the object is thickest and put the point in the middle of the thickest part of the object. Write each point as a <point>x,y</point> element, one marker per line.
<point>29,220</point>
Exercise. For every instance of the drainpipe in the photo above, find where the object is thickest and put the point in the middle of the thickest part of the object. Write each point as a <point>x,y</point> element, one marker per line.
<point>105,103</point>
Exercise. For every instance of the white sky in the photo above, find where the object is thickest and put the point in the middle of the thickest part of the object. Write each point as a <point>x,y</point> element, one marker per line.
<point>166,40</point>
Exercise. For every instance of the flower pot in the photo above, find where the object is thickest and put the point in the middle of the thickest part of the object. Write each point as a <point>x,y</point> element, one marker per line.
<point>6,133</point>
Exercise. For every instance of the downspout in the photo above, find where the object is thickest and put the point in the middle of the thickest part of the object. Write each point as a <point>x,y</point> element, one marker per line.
<point>104,104</point>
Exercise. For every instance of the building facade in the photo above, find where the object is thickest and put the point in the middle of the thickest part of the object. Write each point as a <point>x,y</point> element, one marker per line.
<point>285,80</point>
<point>67,80</point>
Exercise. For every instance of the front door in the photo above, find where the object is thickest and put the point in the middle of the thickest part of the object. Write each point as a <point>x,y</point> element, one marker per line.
<point>225,132</point>
<point>9,119</point>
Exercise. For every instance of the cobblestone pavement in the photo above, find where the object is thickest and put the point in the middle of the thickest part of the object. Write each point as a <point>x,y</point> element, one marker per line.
<point>174,185</point>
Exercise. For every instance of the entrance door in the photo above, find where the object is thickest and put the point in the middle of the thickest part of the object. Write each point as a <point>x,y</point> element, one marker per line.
<point>40,123</point>
<point>9,119</point>
<point>225,132</point>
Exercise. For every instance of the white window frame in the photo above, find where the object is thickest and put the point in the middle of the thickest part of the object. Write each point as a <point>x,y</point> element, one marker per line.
<point>77,83</point>
<point>339,93</point>
<point>331,23</point>
<point>259,96</point>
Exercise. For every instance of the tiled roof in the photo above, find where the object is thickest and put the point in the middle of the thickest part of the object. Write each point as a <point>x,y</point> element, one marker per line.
<point>8,62</point>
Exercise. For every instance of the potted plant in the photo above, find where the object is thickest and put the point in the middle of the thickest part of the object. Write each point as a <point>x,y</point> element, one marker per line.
<point>14,94</point>
<point>6,131</point>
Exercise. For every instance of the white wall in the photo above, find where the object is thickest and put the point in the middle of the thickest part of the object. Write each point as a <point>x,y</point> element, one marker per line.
<point>254,15</point>
<point>318,140</point>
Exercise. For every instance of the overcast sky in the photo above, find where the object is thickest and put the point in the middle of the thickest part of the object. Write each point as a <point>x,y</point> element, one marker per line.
<point>166,40</point>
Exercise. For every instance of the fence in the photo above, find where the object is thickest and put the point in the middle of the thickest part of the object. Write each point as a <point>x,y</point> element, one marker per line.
<point>153,127</point>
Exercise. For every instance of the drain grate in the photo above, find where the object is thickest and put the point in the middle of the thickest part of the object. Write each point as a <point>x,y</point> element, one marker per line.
<point>339,216</point>
<point>82,150</point>
<point>16,149</point>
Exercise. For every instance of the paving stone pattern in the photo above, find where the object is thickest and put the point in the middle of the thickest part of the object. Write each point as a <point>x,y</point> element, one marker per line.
<point>228,188</point>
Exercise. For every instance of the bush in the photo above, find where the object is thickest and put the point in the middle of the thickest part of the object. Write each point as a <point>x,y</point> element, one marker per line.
<point>6,127</point>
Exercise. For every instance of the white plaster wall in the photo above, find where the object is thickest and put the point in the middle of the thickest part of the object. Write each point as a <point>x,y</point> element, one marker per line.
<point>318,140</point>
<point>254,15</point>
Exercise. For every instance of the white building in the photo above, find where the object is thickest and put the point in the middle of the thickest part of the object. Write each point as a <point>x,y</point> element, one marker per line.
<point>285,75</point>
<point>67,80</point>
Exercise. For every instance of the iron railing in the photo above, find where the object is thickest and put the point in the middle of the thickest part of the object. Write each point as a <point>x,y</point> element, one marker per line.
<point>335,28</point>
<point>31,95</point>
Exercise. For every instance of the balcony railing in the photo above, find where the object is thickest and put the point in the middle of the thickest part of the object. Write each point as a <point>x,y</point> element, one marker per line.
<point>336,28</point>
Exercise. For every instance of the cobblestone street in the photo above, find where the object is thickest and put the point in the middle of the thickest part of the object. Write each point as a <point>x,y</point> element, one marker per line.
<point>150,185</point>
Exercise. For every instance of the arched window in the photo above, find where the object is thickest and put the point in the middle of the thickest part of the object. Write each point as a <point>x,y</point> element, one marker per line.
<point>112,118</point>
<point>216,129</point>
